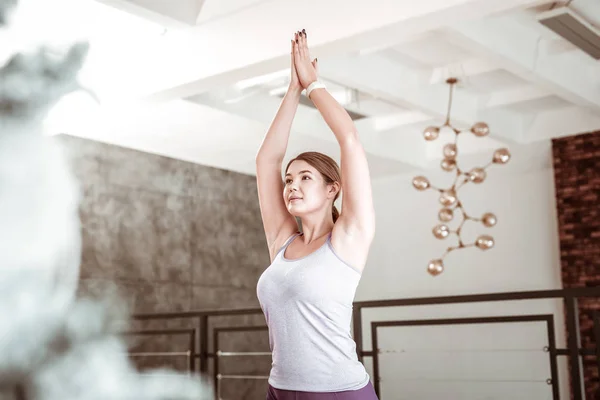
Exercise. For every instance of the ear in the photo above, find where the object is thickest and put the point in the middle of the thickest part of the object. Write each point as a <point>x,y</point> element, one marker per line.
<point>333,189</point>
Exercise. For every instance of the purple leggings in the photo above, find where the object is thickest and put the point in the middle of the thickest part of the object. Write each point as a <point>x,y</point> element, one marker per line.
<point>366,393</point>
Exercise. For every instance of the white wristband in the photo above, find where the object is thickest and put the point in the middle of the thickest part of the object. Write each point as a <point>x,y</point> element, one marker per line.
<point>313,86</point>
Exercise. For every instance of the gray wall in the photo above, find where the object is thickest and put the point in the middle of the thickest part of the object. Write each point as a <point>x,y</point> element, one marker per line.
<point>173,236</point>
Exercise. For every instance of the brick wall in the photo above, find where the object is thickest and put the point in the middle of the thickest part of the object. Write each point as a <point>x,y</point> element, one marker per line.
<point>577,181</point>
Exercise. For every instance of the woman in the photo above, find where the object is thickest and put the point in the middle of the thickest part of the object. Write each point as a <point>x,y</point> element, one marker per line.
<point>307,291</point>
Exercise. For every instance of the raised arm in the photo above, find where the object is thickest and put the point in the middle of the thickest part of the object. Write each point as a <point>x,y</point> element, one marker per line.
<point>278,223</point>
<point>356,225</point>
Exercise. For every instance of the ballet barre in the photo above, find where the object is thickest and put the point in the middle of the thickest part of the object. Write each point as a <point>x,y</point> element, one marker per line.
<point>219,354</point>
<point>466,380</point>
<point>242,353</point>
<point>161,354</point>
<point>464,351</point>
<point>221,376</point>
<point>190,353</point>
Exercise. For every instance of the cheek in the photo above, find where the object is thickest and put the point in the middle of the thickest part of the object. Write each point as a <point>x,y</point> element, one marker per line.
<point>314,192</point>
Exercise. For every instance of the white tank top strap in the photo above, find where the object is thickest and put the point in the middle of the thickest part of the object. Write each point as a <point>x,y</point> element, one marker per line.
<point>287,243</point>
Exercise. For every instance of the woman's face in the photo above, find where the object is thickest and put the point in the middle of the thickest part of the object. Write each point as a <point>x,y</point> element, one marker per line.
<point>305,190</point>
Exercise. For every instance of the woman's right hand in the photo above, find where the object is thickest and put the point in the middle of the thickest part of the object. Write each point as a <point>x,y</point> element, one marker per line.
<point>306,69</point>
<point>294,80</point>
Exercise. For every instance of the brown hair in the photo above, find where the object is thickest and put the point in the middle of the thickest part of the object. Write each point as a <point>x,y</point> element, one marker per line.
<point>328,168</point>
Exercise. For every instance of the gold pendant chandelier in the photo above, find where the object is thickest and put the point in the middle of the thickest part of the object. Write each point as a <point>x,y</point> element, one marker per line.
<point>449,197</point>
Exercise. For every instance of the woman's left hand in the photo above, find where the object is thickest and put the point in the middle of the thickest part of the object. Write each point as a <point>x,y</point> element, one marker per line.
<point>306,69</point>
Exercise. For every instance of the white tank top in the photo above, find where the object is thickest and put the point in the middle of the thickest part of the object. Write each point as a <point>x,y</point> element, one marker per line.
<point>307,304</point>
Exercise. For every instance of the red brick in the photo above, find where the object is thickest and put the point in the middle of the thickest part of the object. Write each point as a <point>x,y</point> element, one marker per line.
<point>577,183</point>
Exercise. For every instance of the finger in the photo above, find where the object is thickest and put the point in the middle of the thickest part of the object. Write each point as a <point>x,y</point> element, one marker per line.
<point>315,64</point>
<point>304,47</point>
<point>294,56</point>
<point>296,45</point>
<point>292,53</point>
<point>305,43</point>
<point>300,47</point>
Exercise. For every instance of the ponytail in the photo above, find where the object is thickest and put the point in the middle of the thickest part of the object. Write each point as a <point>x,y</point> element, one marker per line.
<point>335,213</point>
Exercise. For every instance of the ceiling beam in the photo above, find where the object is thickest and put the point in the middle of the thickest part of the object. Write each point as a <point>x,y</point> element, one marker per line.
<point>178,129</point>
<point>560,123</point>
<point>171,14</point>
<point>215,9</point>
<point>462,70</point>
<point>392,121</point>
<point>507,97</point>
<point>518,47</point>
<point>408,88</point>
<point>308,122</point>
<point>232,48</point>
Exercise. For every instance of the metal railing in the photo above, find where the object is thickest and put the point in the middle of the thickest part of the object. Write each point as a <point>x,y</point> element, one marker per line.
<point>190,352</point>
<point>573,350</point>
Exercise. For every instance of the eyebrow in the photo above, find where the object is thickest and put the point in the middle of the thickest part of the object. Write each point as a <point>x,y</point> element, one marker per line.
<point>301,172</point>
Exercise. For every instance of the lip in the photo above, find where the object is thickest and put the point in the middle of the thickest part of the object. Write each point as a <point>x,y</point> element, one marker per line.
<point>294,198</point>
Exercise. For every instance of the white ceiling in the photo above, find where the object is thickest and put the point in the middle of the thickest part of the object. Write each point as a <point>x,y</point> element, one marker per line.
<point>202,80</point>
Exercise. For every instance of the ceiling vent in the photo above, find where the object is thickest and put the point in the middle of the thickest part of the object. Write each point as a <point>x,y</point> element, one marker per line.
<point>573,28</point>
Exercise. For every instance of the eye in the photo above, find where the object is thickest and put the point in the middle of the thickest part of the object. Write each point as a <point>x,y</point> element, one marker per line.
<point>306,177</point>
<point>288,181</point>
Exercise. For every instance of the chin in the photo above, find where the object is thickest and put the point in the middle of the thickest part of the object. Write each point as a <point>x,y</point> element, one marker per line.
<point>302,211</point>
<point>294,212</point>
<point>297,211</point>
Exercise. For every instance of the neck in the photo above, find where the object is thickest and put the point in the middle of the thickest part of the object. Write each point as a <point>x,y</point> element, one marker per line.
<point>315,227</point>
